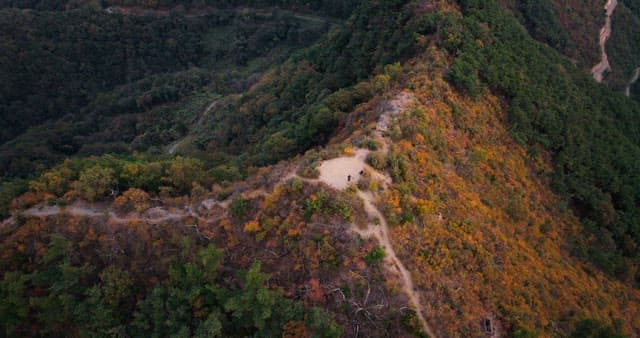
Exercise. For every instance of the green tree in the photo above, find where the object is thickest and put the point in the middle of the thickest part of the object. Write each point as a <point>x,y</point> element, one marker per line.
<point>57,309</point>
<point>322,325</point>
<point>14,307</point>
<point>257,309</point>
<point>95,182</point>
<point>590,328</point>
<point>117,286</point>
<point>182,172</point>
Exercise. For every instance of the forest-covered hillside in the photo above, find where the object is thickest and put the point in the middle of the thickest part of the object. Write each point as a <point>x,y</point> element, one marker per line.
<point>169,168</point>
<point>573,28</point>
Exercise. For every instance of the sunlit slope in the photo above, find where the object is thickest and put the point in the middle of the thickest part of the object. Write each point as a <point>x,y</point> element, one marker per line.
<point>478,225</point>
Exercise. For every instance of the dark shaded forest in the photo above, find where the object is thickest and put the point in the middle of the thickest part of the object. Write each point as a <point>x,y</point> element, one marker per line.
<point>88,71</point>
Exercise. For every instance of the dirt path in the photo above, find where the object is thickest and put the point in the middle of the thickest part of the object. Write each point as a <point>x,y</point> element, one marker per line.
<point>341,172</point>
<point>155,215</point>
<point>634,79</point>
<point>173,148</point>
<point>603,66</point>
<point>393,263</point>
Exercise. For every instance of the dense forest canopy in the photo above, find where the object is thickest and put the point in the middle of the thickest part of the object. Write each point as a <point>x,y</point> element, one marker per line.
<point>129,87</point>
<point>91,67</point>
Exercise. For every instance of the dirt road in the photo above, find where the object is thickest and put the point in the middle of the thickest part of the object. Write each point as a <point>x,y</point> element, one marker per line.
<point>634,78</point>
<point>603,66</point>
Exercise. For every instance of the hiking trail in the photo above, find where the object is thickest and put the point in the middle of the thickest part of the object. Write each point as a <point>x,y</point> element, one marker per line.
<point>334,172</point>
<point>339,173</point>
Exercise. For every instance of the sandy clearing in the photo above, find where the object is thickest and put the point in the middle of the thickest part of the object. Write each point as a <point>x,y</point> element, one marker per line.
<point>341,172</point>
<point>335,172</point>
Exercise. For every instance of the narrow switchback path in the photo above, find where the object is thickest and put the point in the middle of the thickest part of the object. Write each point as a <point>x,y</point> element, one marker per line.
<point>175,146</point>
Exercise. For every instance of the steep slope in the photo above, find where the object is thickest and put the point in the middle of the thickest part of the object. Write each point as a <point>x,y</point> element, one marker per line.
<point>483,236</point>
<point>468,212</point>
<point>591,132</point>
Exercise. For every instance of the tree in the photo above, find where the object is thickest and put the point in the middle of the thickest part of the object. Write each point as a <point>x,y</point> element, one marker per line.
<point>94,183</point>
<point>590,328</point>
<point>14,307</point>
<point>55,181</point>
<point>133,198</point>
<point>117,286</point>
<point>258,309</point>
<point>182,172</point>
<point>322,325</point>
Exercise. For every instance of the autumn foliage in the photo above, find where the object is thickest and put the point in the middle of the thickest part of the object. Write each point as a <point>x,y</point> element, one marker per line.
<point>478,227</point>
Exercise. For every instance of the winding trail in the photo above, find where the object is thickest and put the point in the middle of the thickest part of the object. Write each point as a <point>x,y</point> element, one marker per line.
<point>393,263</point>
<point>335,173</point>
<point>153,216</point>
<point>634,79</point>
<point>603,66</point>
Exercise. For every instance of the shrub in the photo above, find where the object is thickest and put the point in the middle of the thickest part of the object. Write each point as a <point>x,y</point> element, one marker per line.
<point>375,257</point>
<point>94,183</point>
<point>309,170</point>
<point>133,199</point>
<point>378,160</point>
<point>239,208</point>
<point>368,143</point>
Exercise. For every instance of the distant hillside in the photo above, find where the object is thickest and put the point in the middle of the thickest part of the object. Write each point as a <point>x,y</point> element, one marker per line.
<point>573,28</point>
<point>334,8</point>
<point>78,73</point>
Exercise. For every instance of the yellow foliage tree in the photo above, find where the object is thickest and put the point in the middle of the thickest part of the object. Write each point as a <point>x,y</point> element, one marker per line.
<point>252,226</point>
<point>133,198</point>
